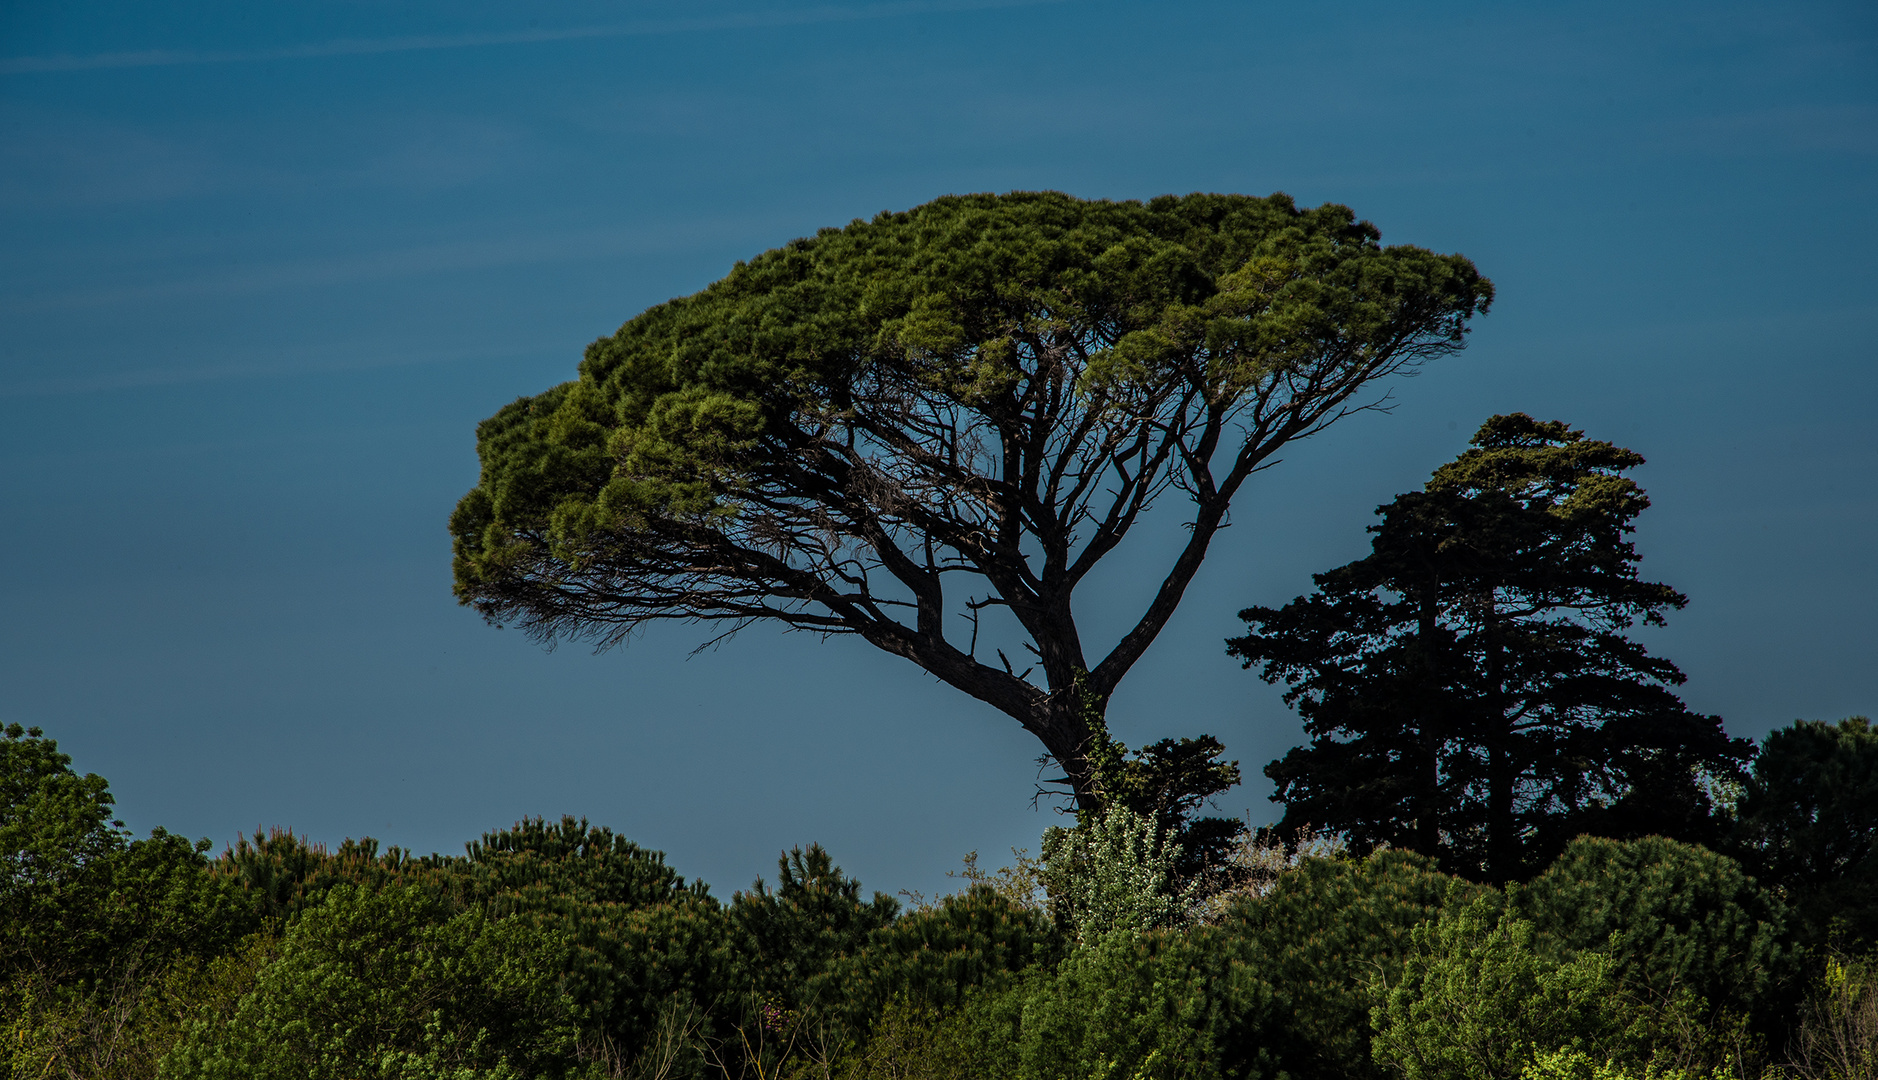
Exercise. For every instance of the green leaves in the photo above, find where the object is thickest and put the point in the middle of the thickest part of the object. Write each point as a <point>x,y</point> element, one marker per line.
<point>81,897</point>
<point>1116,872</point>
<point>1673,918</point>
<point>1293,968</point>
<point>559,949</point>
<point>57,842</point>
<point>390,984</point>
<point>1475,1001</point>
<point>1624,958</point>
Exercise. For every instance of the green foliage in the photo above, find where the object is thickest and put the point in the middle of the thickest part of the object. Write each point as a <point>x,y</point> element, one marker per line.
<point>643,944</point>
<point>1468,687</point>
<point>916,1042</point>
<point>1475,1001</point>
<point>1807,822</point>
<point>933,958</point>
<point>282,875</point>
<point>1168,783</point>
<point>126,1021</point>
<point>983,394</point>
<point>1838,1035</point>
<point>792,936</point>
<point>1124,1006</point>
<point>1672,920</point>
<point>629,967</point>
<point>1290,971</point>
<point>694,402</point>
<point>563,950</point>
<point>80,895</point>
<point>59,842</point>
<point>1486,994</point>
<point>1115,871</point>
<point>391,983</point>
<point>575,861</point>
<point>1579,1065</point>
<point>100,933</point>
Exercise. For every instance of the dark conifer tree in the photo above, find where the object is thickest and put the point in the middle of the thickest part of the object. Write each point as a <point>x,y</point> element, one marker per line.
<point>1468,687</point>
<point>1807,822</point>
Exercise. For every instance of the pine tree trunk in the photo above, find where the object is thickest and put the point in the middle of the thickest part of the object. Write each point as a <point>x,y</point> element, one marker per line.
<point>1502,839</point>
<point>1063,724</point>
<point>1428,769</point>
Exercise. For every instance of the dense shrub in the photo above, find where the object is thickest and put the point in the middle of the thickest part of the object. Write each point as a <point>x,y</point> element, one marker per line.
<point>1290,970</point>
<point>936,956</point>
<point>1116,871</point>
<point>391,983</point>
<point>562,951</point>
<point>1677,922</point>
<point>792,936</point>
<point>643,944</point>
<point>1475,1001</point>
<point>281,875</point>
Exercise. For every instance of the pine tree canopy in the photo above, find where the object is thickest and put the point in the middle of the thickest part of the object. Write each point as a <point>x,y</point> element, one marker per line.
<point>1468,687</point>
<point>910,425</point>
<point>1807,822</point>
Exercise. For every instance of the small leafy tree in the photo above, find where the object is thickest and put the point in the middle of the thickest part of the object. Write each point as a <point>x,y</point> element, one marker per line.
<point>102,935</point>
<point>1468,687</point>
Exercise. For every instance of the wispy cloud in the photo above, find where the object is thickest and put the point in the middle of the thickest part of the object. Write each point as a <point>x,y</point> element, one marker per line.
<point>271,363</point>
<point>528,248</point>
<point>22,65</point>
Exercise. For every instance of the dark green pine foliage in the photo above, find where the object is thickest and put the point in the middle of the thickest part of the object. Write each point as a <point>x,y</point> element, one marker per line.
<point>938,422</point>
<point>934,957</point>
<point>1468,687</point>
<point>1676,919</point>
<point>281,875</point>
<point>1172,782</point>
<point>791,938</point>
<point>1289,973</point>
<point>640,940</point>
<point>643,940</point>
<point>1807,822</point>
<point>395,983</point>
<point>578,862</point>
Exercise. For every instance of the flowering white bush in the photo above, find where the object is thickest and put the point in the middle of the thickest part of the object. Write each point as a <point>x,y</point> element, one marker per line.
<point>1115,873</point>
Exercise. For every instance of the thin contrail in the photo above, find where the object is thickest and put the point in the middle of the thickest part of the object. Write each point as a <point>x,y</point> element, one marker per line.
<point>22,65</point>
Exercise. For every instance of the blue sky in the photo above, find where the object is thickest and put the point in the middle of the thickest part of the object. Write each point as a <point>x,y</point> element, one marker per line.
<point>265,266</point>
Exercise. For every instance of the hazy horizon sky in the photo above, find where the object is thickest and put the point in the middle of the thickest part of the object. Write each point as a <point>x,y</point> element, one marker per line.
<point>266,266</point>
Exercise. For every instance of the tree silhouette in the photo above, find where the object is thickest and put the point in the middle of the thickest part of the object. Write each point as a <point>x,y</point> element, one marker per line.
<point>1468,688</point>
